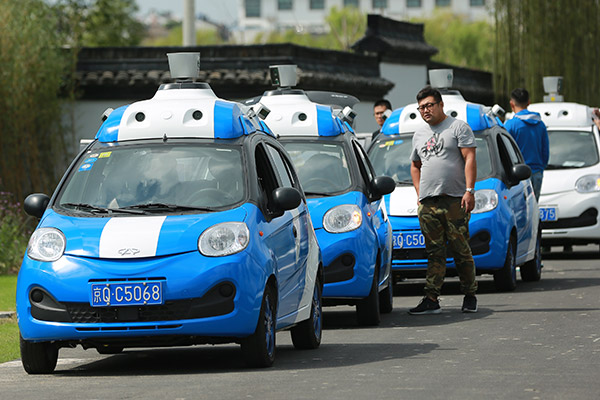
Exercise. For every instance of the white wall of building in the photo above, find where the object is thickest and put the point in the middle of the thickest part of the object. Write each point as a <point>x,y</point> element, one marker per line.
<point>408,79</point>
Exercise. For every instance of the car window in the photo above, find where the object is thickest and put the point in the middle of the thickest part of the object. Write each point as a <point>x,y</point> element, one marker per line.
<point>392,158</point>
<point>285,176</point>
<point>267,179</point>
<point>512,151</point>
<point>184,175</point>
<point>572,149</point>
<point>321,167</point>
<point>364,163</point>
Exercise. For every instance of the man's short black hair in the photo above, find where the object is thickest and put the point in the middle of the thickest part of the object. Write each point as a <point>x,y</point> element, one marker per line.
<point>520,96</point>
<point>383,102</point>
<point>429,91</point>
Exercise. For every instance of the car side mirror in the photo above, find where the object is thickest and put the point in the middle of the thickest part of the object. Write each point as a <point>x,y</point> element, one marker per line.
<point>35,204</point>
<point>286,198</point>
<point>383,185</point>
<point>521,172</point>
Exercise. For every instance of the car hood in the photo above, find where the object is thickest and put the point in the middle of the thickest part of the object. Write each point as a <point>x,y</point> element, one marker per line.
<point>562,180</point>
<point>136,236</point>
<point>402,202</point>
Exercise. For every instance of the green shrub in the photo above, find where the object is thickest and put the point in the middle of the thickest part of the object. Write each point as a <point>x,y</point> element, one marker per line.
<point>15,229</point>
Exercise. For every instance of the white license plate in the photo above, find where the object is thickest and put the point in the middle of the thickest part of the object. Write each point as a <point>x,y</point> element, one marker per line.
<point>548,214</point>
<point>126,294</point>
<point>409,240</point>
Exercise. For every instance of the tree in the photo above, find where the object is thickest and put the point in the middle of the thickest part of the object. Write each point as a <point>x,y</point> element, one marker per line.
<point>537,38</point>
<point>99,22</point>
<point>32,144</point>
<point>175,38</point>
<point>460,42</point>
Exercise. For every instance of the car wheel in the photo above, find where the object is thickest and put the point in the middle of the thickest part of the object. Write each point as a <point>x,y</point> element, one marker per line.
<point>531,271</point>
<point>38,358</point>
<point>367,309</point>
<point>109,349</point>
<point>386,298</point>
<point>505,279</point>
<point>307,334</point>
<point>259,348</point>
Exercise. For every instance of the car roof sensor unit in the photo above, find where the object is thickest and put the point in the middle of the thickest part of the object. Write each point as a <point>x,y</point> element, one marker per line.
<point>552,87</point>
<point>283,76</point>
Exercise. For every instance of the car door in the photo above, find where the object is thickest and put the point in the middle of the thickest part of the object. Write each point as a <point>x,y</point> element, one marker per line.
<point>519,197</point>
<point>284,233</point>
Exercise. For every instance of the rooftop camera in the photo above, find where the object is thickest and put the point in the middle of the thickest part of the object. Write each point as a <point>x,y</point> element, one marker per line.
<point>184,66</point>
<point>348,114</point>
<point>441,78</point>
<point>283,75</point>
<point>261,110</point>
<point>498,111</point>
<point>553,86</point>
<point>386,114</point>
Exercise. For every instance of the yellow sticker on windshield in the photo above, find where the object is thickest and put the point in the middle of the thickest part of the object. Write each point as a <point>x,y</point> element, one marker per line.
<point>105,154</point>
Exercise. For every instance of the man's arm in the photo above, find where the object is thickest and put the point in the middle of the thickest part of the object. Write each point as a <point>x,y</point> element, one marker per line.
<point>468,199</point>
<point>415,174</point>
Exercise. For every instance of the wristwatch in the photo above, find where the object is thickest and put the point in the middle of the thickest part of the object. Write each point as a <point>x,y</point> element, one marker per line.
<point>471,190</point>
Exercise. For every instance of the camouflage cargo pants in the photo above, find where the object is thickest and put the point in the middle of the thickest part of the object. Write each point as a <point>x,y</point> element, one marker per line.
<point>443,221</point>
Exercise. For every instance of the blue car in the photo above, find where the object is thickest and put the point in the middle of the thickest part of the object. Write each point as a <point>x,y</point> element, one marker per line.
<point>504,226</point>
<point>182,223</point>
<point>344,197</point>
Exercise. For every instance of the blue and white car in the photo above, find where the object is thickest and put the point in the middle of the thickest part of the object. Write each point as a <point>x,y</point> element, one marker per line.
<point>344,196</point>
<point>504,226</point>
<point>182,223</point>
<point>570,195</point>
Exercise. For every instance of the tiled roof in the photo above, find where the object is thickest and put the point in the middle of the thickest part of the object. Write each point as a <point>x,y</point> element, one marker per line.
<point>234,72</point>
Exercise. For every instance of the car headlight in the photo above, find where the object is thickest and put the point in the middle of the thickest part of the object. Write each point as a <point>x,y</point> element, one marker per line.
<point>342,218</point>
<point>588,184</point>
<point>46,244</point>
<point>485,200</point>
<point>224,239</point>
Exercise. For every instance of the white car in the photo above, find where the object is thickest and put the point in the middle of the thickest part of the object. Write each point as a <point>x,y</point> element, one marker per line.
<point>570,194</point>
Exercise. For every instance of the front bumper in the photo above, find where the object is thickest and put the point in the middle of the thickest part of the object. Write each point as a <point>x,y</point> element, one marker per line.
<point>577,221</point>
<point>204,297</point>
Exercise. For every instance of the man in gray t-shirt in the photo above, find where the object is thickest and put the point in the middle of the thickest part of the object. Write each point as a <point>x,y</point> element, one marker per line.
<point>443,171</point>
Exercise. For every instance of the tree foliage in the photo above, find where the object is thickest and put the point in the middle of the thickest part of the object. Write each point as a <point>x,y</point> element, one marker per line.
<point>204,37</point>
<point>96,23</point>
<point>32,145</point>
<point>346,26</point>
<point>460,42</point>
<point>537,38</point>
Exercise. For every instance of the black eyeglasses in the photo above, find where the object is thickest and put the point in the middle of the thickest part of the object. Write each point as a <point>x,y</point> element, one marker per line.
<point>427,106</point>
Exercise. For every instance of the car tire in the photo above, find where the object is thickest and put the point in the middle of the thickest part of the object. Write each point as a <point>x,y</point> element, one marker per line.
<point>259,348</point>
<point>367,309</point>
<point>386,298</point>
<point>307,334</point>
<point>505,279</point>
<point>531,271</point>
<point>38,358</point>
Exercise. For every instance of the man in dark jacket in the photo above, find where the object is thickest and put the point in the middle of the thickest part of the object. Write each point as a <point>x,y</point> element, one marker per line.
<point>530,133</point>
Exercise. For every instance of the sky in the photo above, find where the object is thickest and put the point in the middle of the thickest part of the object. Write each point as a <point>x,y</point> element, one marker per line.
<point>223,11</point>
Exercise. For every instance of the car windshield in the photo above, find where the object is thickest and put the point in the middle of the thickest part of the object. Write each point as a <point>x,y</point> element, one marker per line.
<point>572,149</point>
<point>322,167</point>
<point>154,178</point>
<point>392,157</point>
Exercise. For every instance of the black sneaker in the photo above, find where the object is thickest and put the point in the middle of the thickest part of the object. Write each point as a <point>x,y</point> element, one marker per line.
<point>426,306</point>
<point>469,304</point>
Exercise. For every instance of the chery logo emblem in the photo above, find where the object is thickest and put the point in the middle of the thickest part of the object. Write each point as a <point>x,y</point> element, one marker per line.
<point>129,251</point>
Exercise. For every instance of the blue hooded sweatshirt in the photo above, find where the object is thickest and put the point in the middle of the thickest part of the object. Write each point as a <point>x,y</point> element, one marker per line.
<point>530,133</point>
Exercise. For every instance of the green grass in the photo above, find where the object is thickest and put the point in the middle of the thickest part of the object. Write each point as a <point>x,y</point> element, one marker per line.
<point>9,332</point>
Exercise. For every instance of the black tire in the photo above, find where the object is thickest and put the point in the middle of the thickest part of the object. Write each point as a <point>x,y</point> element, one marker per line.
<point>531,271</point>
<point>38,358</point>
<point>367,309</point>
<point>386,298</point>
<point>259,348</point>
<point>307,334</point>
<point>109,349</point>
<point>505,279</point>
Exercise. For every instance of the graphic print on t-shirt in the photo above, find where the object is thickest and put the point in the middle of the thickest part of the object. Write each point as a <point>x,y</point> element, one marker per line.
<point>433,146</point>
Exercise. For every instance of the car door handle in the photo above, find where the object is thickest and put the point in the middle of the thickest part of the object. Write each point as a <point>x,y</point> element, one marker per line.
<point>294,231</point>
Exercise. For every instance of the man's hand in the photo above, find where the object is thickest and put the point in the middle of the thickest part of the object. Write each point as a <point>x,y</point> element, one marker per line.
<point>468,202</point>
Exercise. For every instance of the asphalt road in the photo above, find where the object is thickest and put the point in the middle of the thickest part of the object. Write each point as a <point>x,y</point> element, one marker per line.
<point>541,341</point>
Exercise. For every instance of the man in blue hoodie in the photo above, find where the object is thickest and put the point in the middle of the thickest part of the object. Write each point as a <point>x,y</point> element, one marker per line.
<point>530,133</point>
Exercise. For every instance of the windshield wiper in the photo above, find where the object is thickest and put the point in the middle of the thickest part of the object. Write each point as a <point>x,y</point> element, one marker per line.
<point>164,207</point>
<point>404,182</point>
<point>554,166</point>
<point>317,194</point>
<point>99,210</point>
